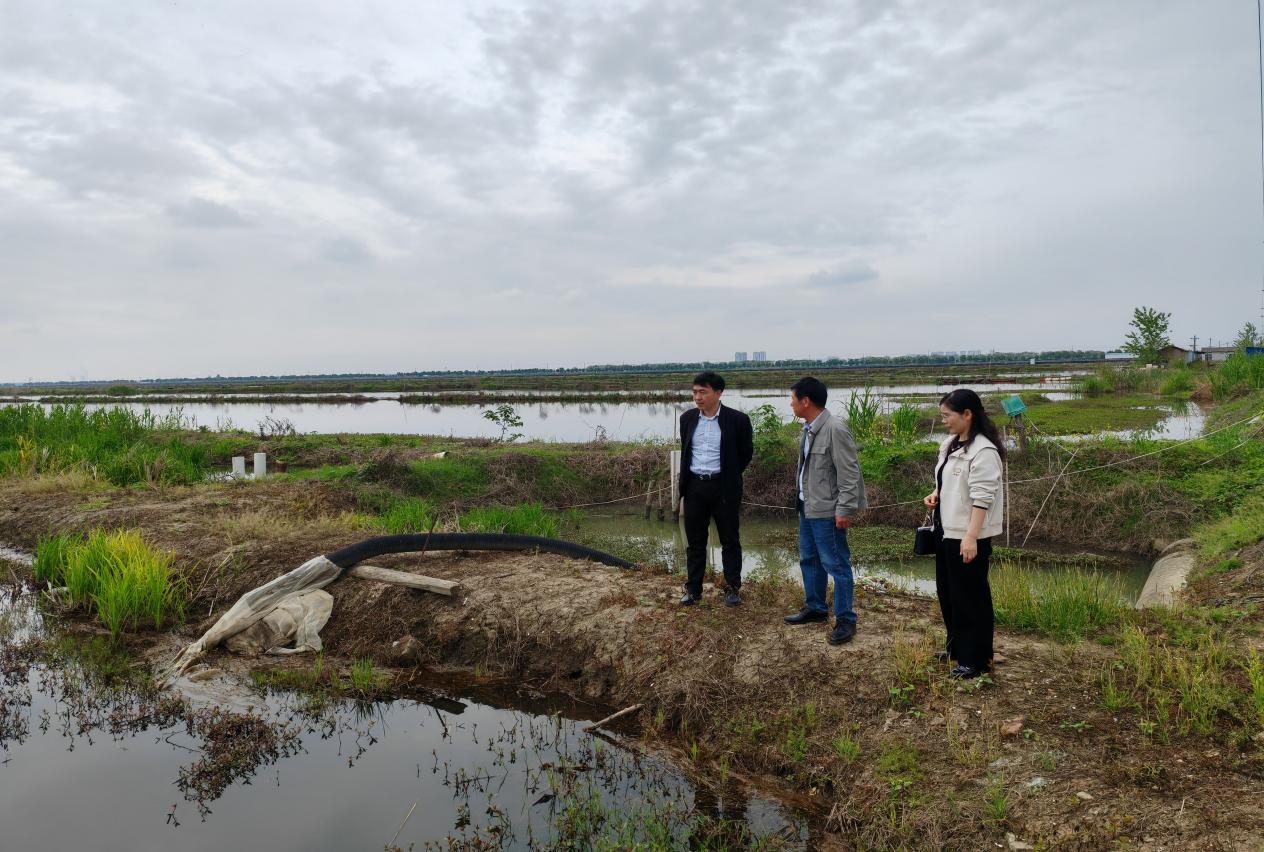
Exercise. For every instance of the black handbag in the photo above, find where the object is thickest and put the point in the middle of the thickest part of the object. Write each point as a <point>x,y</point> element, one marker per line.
<point>924,538</point>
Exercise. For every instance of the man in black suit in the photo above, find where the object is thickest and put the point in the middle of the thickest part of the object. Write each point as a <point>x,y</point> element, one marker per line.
<point>716,445</point>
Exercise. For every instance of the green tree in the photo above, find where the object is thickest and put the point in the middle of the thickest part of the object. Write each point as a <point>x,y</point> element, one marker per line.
<point>506,418</point>
<point>1149,334</point>
<point>1248,336</point>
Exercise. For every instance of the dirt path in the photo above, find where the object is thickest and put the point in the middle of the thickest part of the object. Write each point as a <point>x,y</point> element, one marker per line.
<point>871,733</point>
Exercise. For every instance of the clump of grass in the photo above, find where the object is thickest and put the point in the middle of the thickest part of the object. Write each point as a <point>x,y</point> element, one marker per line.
<point>846,747</point>
<point>904,420</point>
<point>1188,687</point>
<point>116,574</point>
<point>50,558</point>
<point>411,515</point>
<point>862,413</point>
<point>1178,382</point>
<point>365,679</point>
<point>1240,374</point>
<point>1067,605</point>
<point>528,519</point>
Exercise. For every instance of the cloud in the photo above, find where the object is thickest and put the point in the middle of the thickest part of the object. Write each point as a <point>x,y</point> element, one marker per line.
<point>796,171</point>
<point>203,213</point>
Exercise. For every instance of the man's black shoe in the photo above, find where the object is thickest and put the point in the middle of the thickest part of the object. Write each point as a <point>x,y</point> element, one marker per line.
<point>843,632</point>
<point>806,616</point>
<point>689,600</point>
<point>966,672</point>
<point>732,598</point>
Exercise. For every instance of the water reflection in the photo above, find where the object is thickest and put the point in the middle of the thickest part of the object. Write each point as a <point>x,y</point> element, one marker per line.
<point>85,746</point>
<point>552,421</point>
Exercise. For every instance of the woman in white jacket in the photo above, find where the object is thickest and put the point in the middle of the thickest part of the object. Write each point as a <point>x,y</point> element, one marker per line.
<point>968,502</point>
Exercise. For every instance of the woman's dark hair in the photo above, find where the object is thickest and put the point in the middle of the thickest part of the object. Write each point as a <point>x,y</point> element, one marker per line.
<point>710,380</point>
<point>962,400</point>
<point>812,388</point>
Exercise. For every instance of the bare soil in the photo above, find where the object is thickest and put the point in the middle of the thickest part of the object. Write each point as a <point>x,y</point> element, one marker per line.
<point>1031,757</point>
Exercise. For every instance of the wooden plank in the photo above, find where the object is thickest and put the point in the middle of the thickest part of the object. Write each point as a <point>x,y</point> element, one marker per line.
<point>403,578</point>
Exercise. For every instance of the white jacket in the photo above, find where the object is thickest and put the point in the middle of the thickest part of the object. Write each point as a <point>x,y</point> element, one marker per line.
<point>972,477</point>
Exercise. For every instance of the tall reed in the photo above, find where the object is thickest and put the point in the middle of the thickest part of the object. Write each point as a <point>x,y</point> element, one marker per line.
<point>862,413</point>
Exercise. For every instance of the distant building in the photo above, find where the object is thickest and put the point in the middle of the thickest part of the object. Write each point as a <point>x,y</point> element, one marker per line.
<point>1120,356</point>
<point>1177,354</point>
<point>759,356</point>
<point>1217,354</point>
<point>740,357</point>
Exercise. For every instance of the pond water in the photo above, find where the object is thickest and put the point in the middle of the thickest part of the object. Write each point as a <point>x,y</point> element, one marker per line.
<point>768,546</point>
<point>547,421</point>
<point>90,763</point>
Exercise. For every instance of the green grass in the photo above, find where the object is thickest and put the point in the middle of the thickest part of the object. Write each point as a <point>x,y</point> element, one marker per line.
<point>1186,688</point>
<point>528,519</point>
<point>117,575</point>
<point>365,679</point>
<point>846,747</point>
<point>1177,382</point>
<point>1068,604</point>
<point>1095,414</point>
<point>1245,526</point>
<point>409,515</point>
<point>113,444</point>
<point>1237,376</point>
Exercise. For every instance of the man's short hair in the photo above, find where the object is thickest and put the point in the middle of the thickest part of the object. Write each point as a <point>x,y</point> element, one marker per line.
<point>812,388</point>
<point>711,380</point>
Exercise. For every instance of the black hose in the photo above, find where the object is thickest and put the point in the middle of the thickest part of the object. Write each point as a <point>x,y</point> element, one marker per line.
<point>356,553</point>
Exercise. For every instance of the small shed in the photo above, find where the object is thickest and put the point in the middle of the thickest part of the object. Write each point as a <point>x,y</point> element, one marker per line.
<point>1218,354</point>
<point>1177,354</point>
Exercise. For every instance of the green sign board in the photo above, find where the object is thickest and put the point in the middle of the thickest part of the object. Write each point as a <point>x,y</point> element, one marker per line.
<point>1013,405</point>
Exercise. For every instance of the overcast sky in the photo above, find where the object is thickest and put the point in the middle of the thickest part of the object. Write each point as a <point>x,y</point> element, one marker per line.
<point>272,187</point>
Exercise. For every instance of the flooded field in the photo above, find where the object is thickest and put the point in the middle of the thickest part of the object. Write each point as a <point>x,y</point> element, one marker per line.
<point>91,757</point>
<point>547,421</point>
<point>768,547</point>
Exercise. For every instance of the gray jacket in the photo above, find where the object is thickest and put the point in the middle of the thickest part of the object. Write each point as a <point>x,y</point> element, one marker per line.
<point>832,483</point>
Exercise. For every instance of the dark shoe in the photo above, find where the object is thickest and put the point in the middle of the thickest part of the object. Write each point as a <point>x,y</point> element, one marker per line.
<point>806,616</point>
<point>732,598</point>
<point>966,672</point>
<point>689,599</point>
<point>842,633</point>
<point>942,656</point>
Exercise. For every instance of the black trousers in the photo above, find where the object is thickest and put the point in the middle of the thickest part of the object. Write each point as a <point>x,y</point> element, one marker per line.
<point>706,500</point>
<point>965,599</point>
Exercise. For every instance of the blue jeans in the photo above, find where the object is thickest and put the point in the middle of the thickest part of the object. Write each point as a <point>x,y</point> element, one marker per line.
<point>823,553</point>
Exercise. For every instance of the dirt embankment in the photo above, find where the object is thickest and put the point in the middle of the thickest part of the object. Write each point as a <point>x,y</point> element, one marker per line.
<point>872,733</point>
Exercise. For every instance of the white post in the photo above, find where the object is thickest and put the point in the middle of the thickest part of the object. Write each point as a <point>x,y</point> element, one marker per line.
<point>261,465</point>
<point>239,467</point>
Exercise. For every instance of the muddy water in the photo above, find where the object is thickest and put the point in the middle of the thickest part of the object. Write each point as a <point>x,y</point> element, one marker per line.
<point>88,763</point>
<point>548,421</point>
<point>767,547</point>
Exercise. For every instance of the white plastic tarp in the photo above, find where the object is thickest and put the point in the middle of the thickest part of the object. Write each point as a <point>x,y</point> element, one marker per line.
<point>254,606</point>
<point>296,619</point>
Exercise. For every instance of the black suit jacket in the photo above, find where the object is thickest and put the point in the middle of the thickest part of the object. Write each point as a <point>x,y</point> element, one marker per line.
<point>737,446</point>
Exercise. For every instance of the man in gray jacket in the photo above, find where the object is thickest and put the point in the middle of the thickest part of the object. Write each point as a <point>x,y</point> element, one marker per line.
<point>831,491</point>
